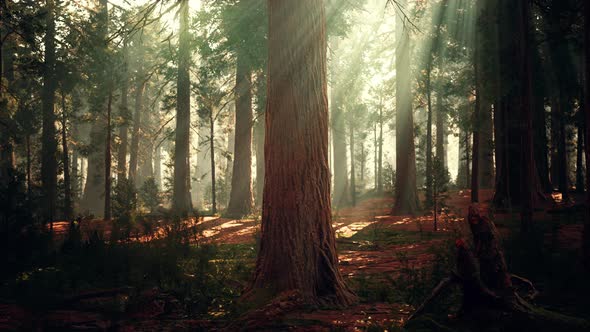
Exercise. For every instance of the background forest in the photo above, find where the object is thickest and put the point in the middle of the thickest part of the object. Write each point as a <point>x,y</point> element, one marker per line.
<point>305,164</point>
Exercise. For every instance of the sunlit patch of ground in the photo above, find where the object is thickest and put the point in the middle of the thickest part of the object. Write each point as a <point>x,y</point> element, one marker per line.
<point>387,260</point>
<point>372,244</point>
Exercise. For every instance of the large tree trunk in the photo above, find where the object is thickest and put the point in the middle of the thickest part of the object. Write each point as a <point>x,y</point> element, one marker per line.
<point>48,138</point>
<point>512,142</point>
<point>240,201</point>
<point>486,66</point>
<point>406,197</point>
<point>564,80</point>
<point>527,165</point>
<point>181,197</point>
<point>298,245</point>
<point>93,200</point>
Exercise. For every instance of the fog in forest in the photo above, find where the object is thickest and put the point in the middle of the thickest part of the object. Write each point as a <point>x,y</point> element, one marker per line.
<point>411,165</point>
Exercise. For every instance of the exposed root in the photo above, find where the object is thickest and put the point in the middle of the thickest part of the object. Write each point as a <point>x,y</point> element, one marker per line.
<point>495,301</point>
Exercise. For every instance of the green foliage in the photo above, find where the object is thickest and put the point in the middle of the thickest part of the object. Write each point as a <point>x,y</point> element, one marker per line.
<point>388,177</point>
<point>149,194</point>
<point>124,200</point>
<point>440,185</point>
<point>207,279</point>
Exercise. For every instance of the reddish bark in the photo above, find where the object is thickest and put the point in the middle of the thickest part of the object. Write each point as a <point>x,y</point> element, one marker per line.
<point>298,247</point>
<point>493,269</point>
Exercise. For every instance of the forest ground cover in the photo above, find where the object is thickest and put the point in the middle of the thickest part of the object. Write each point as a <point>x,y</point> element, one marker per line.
<point>189,275</point>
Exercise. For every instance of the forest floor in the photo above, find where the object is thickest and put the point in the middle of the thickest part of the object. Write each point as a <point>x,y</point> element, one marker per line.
<point>391,262</point>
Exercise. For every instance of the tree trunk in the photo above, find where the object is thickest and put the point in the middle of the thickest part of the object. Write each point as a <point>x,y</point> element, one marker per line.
<point>29,164</point>
<point>212,147</point>
<point>240,201</point>
<point>528,174</point>
<point>541,146</point>
<point>486,147</point>
<point>298,246</point>
<point>406,198</point>
<point>375,158</point>
<point>363,162</point>
<point>441,131</point>
<point>49,141</point>
<point>134,153</point>
<point>429,154</point>
<point>65,161</point>
<point>380,165</point>
<point>259,135</point>
<point>352,168</point>
<point>7,133</point>
<point>463,174</point>
<point>555,173</point>
<point>123,130</point>
<point>340,196</point>
<point>107,163</point>
<point>580,156</point>
<point>181,198</point>
<point>93,200</point>
<point>477,120</point>
<point>586,241</point>
<point>146,147</point>
<point>158,166</point>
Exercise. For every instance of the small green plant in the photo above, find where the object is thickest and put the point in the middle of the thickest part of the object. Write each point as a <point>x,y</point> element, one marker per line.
<point>388,177</point>
<point>149,195</point>
<point>436,199</point>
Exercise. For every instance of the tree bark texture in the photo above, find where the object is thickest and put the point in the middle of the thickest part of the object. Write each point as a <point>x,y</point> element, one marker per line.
<point>48,136</point>
<point>298,246</point>
<point>181,200</point>
<point>240,201</point>
<point>406,198</point>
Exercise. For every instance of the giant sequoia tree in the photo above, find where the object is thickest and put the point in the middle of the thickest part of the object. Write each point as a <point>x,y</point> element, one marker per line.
<point>181,200</point>
<point>406,198</point>
<point>298,247</point>
<point>49,141</point>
